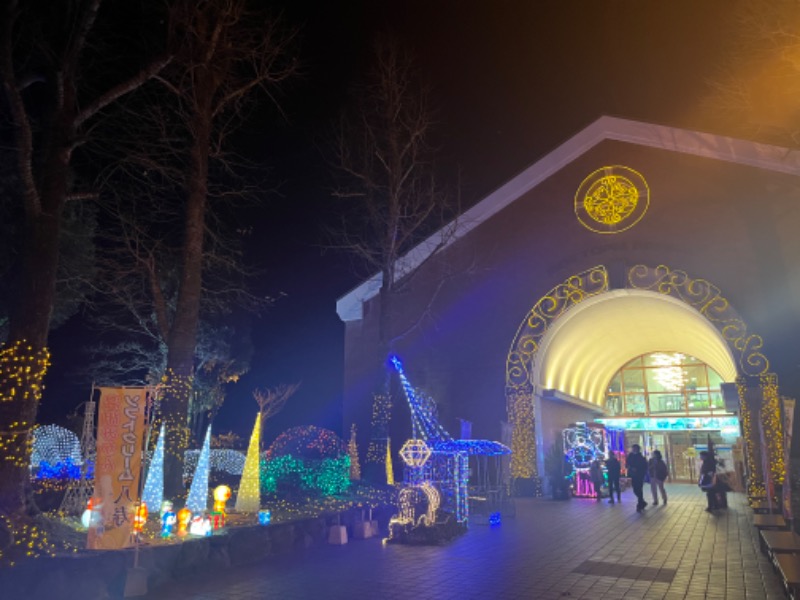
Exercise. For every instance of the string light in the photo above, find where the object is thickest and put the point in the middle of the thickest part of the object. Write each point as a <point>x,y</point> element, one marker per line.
<point>197,501</point>
<point>352,450</point>
<point>153,494</point>
<point>221,459</point>
<point>755,486</point>
<point>773,426</point>
<point>22,369</point>
<point>381,415</point>
<point>54,444</point>
<point>248,498</point>
<point>314,458</point>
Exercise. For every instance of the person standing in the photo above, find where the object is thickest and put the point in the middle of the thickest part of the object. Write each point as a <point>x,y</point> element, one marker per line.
<point>658,471</point>
<point>708,479</point>
<point>613,469</point>
<point>637,469</point>
<point>596,475</point>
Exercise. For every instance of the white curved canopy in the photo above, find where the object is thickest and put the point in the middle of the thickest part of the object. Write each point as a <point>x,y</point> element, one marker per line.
<point>587,345</point>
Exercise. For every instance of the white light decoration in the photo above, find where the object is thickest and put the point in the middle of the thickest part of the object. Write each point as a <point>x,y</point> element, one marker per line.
<point>248,499</point>
<point>198,492</point>
<point>222,459</point>
<point>153,494</point>
<point>53,444</point>
<point>669,372</point>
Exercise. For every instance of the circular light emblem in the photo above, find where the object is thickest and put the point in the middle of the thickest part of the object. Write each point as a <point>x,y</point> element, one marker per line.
<point>612,199</point>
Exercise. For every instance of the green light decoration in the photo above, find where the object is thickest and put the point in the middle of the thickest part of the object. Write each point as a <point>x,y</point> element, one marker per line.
<point>248,499</point>
<point>197,502</point>
<point>308,459</point>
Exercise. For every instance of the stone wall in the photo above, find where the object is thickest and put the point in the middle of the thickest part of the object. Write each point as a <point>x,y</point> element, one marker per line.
<point>101,575</point>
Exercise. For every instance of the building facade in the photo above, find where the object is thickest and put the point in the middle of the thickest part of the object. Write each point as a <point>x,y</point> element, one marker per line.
<point>639,276</point>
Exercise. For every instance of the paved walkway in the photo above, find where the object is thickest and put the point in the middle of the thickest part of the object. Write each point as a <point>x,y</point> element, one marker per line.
<point>550,550</point>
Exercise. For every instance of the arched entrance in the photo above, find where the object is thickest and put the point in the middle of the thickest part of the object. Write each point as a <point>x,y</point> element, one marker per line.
<point>579,334</point>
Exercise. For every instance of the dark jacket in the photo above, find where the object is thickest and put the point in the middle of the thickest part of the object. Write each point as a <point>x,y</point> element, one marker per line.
<point>636,465</point>
<point>613,466</point>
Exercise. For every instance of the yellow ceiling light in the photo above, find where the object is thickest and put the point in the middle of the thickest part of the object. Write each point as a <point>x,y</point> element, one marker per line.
<point>586,346</point>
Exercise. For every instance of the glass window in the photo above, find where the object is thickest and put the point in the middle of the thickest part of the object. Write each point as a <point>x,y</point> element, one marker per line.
<point>636,362</point>
<point>714,380</point>
<point>698,400</point>
<point>633,380</point>
<point>635,404</point>
<point>614,404</point>
<point>666,403</point>
<point>696,377</point>
<point>664,383</point>
<point>665,379</point>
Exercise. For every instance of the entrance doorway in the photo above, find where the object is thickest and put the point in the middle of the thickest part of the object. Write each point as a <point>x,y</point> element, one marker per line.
<point>681,450</point>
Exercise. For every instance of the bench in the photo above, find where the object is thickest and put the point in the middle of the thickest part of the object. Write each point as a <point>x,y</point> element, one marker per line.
<point>779,542</point>
<point>762,507</point>
<point>769,522</point>
<point>789,571</point>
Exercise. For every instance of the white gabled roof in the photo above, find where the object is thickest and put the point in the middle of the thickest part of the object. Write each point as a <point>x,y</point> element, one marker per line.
<point>773,158</point>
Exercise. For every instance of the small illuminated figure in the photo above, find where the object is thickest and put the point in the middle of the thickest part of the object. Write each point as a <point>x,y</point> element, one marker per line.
<point>200,525</point>
<point>222,494</point>
<point>168,519</point>
<point>93,515</point>
<point>264,517</point>
<point>184,516</point>
<point>139,518</point>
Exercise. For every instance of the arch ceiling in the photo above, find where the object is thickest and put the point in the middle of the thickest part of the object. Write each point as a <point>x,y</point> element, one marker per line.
<point>587,345</point>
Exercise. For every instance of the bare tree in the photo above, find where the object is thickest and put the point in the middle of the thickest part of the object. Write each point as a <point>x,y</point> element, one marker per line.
<point>271,401</point>
<point>384,159</point>
<point>182,261</point>
<point>53,95</point>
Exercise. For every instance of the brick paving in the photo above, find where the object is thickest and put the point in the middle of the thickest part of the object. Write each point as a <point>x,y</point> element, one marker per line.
<point>549,550</point>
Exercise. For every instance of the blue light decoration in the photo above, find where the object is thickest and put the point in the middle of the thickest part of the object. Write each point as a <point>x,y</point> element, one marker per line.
<point>62,470</point>
<point>494,519</point>
<point>153,494</point>
<point>264,517</point>
<point>197,501</point>
<point>448,467</point>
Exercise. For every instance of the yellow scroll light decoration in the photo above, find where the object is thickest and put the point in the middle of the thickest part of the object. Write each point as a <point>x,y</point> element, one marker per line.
<point>612,199</point>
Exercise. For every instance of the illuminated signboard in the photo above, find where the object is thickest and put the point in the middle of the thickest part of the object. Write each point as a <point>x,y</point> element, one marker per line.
<point>728,424</point>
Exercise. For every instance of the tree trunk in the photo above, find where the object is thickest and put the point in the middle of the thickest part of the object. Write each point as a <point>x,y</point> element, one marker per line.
<point>24,361</point>
<point>183,334</point>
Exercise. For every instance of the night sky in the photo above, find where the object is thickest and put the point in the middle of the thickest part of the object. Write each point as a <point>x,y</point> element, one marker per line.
<point>511,81</point>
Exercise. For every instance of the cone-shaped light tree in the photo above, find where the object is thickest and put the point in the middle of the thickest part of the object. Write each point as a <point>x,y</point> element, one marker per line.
<point>198,492</point>
<point>153,494</point>
<point>249,497</point>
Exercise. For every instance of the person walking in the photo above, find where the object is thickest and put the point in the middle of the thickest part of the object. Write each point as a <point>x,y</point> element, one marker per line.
<point>637,470</point>
<point>613,469</point>
<point>708,479</point>
<point>658,471</point>
<point>596,475</point>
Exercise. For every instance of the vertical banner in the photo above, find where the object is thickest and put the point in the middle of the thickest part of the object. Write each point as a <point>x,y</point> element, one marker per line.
<point>787,412</point>
<point>120,431</point>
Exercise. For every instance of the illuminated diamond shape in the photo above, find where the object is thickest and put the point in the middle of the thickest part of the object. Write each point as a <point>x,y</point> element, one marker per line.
<point>415,453</point>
